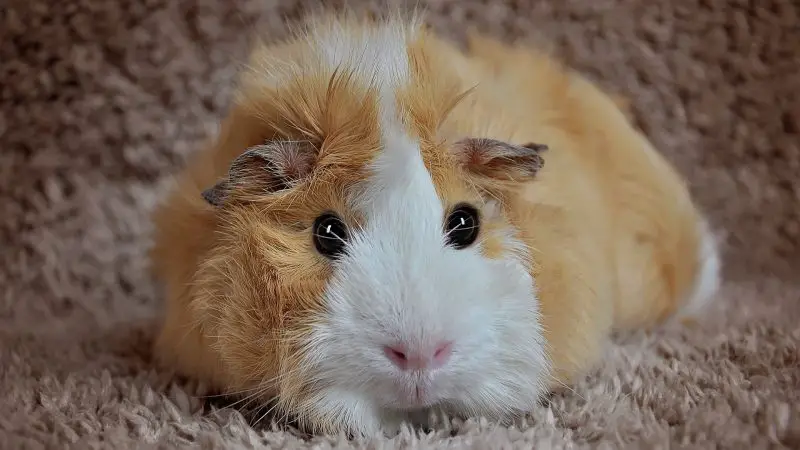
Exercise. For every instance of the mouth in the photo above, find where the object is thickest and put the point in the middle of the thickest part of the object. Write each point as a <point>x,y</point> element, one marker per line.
<point>416,395</point>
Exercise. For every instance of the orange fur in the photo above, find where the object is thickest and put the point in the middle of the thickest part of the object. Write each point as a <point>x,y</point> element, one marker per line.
<point>610,226</point>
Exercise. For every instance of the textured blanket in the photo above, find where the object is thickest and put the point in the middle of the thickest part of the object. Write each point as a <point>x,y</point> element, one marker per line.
<point>100,101</point>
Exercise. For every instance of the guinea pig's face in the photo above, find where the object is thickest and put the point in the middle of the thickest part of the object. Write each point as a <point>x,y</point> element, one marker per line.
<point>430,301</point>
<point>387,284</point>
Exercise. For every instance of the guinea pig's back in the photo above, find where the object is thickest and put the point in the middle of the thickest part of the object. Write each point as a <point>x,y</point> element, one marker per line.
<point>665,256</point>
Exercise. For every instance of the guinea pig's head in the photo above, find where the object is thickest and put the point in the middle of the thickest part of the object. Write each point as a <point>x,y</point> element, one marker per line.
<point>363,269</point>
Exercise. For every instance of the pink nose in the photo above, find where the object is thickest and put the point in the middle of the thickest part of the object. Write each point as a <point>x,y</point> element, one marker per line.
<point>419,358</point>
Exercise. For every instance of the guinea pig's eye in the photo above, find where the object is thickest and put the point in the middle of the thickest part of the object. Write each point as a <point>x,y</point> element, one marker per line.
<point>462,226</point>
<point>330,235</point>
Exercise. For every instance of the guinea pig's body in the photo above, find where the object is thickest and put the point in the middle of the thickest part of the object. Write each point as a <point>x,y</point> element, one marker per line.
<point>387,224</point>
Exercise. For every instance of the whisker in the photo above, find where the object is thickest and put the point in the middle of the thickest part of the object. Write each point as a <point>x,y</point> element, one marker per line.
<point>263,416</point>
<point>336,236</point>
<point>459,228</point>
<point>250,397</point>
<point>230,394</point>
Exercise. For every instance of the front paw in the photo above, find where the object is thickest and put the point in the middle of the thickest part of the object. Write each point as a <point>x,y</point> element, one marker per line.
<point>392,423</point>
<point>381,424</point>
<point>339,411</point>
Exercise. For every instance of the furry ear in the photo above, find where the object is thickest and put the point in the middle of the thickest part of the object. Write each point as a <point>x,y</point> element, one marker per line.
<point>265,169</point>
<point>500,160</point>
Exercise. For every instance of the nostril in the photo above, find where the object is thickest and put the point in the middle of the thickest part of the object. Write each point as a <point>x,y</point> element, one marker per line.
<point>396,355</point>
<point>442,352</point>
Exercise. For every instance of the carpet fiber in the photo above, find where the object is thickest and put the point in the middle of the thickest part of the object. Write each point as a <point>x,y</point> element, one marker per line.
<point>102,100</point>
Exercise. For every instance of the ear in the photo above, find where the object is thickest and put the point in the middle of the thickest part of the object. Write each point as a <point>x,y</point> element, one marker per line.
<point>265,169</point>
<point>500,160</point>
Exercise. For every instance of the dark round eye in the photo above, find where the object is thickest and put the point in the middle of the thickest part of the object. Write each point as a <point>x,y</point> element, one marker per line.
<point>330,235</point>
<point>462,226</point>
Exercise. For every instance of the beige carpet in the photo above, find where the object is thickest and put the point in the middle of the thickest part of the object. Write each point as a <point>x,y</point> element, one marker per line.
<point>102,99</point>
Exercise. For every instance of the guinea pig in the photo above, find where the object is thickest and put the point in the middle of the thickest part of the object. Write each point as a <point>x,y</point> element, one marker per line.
<point>390,223</point>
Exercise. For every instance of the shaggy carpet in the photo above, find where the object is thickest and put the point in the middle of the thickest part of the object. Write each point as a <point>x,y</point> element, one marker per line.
<point>103,100</point>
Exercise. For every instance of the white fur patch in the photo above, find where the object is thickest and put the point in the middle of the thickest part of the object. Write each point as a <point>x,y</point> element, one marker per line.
<point>375,55</point>
<point>708,279</point>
